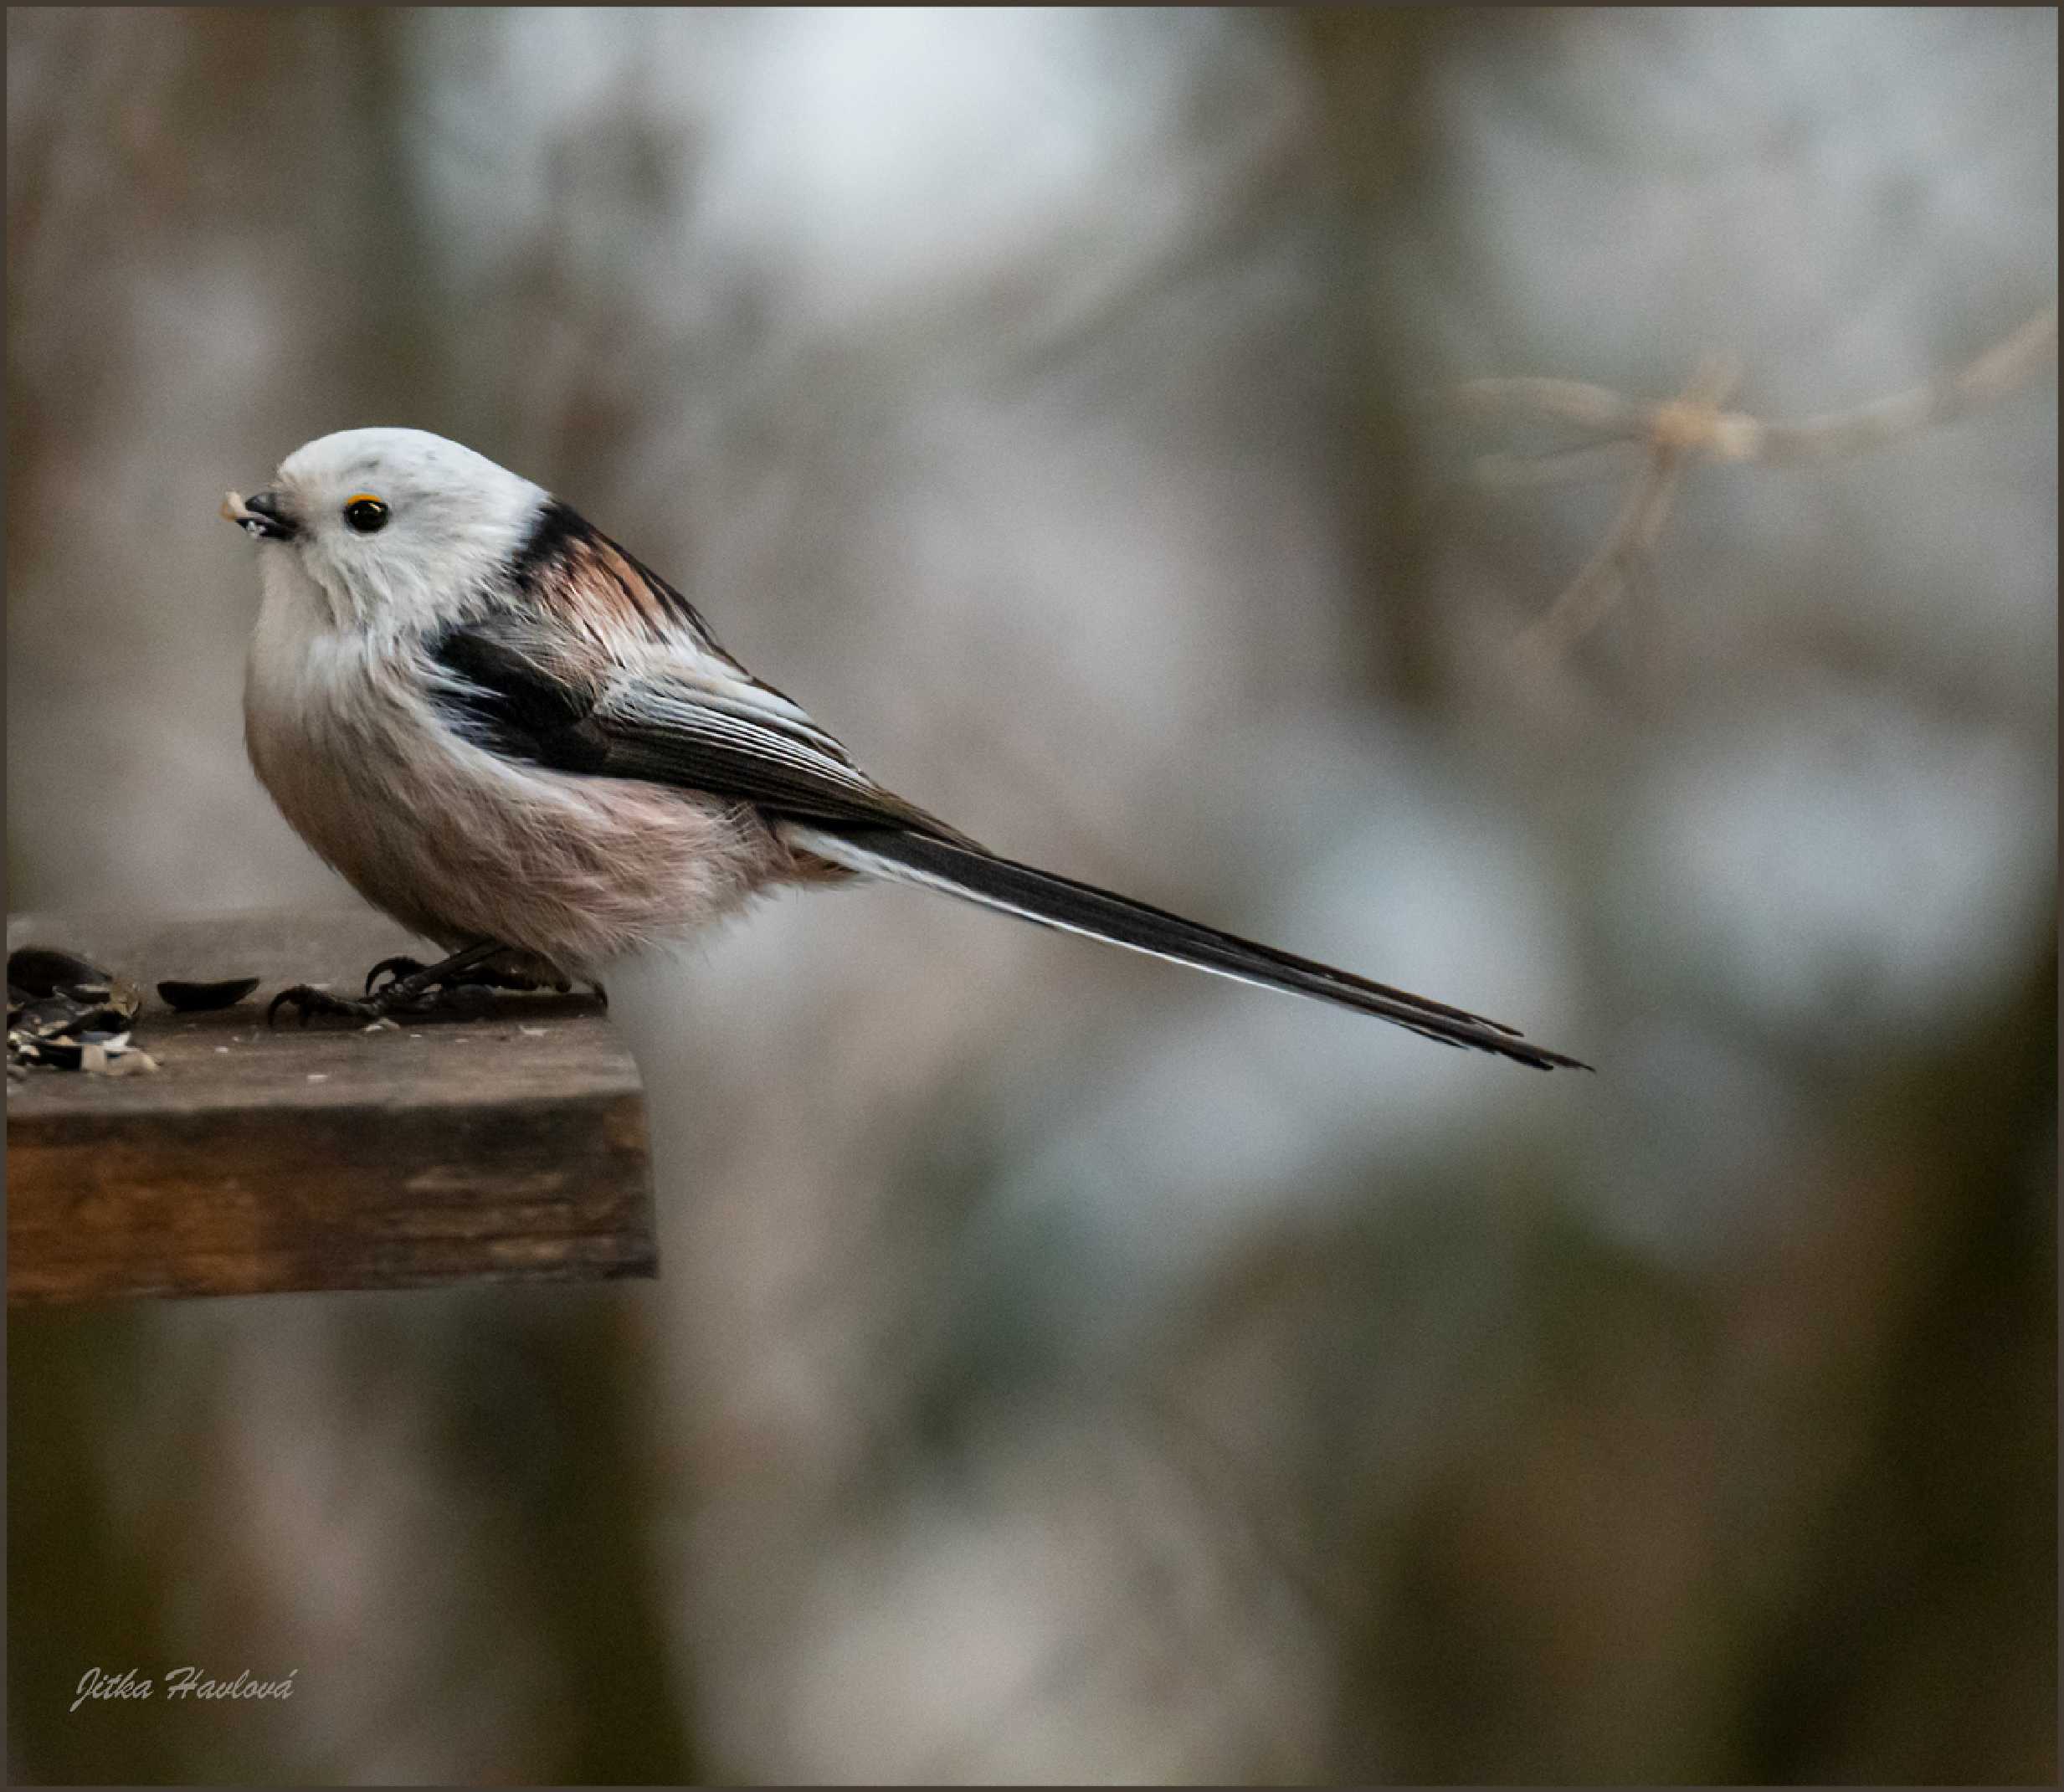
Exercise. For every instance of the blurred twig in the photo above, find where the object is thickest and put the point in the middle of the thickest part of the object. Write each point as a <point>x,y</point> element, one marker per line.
<point>1671,438</point>
<point>1622,560</point>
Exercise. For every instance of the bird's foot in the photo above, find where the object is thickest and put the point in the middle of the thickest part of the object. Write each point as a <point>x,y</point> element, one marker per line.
<point>460,982</point>
<point>306,1001</point>
<point>505,970</point>
<point>413,994</point>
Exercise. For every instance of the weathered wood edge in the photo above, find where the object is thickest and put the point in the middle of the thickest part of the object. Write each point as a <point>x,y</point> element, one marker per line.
<point>374,1173</point>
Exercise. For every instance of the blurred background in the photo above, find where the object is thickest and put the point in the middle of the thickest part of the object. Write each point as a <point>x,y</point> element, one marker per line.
<point>1065,1367</point>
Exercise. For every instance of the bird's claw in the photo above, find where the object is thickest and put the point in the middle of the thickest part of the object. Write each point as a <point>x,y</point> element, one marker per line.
<point>409,992</point>
<point>306,999</point>
<point>402,968</point>
<point>411,988</point>
<point>399,966</point>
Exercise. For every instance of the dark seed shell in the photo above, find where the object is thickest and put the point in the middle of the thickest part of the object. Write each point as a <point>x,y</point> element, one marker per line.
<point>196,998</point>
<point>103,1019</point>
<point>52,1015</point>
<point>44,970</point>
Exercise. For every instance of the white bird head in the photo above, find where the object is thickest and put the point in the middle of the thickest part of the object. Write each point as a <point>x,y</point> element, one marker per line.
<point>390,527</point>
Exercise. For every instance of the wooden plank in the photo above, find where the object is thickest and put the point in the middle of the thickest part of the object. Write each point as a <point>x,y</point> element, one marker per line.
<point>508,1146</point>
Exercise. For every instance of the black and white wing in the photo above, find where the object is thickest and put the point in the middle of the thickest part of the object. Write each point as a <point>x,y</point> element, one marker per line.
<point>639,690</point>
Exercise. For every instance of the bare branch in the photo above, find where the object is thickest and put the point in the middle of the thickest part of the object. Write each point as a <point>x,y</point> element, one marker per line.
<point>1676,435</point>
<point>1564,400</point>
<point>2006,365</point>
<point>1624,560</point>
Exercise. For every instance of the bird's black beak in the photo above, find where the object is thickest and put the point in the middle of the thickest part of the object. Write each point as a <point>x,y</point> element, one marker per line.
<point>263,513</point>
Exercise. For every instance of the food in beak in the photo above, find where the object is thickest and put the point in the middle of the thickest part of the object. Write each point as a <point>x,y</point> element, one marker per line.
<point>259,514</point>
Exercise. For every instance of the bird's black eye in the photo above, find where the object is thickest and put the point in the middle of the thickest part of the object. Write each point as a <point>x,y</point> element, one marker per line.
<point>366,514</point>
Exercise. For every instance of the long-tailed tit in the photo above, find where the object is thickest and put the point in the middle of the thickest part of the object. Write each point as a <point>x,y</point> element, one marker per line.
<point>515,737</point>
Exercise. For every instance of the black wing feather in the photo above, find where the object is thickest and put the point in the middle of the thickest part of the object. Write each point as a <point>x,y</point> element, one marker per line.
<point>500,690</point>
<point>1049,900</point>
<point>504,699</point>
<point>496,684</point>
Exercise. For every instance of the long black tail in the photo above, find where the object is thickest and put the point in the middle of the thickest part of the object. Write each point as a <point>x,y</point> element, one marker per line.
<point>1054,902</point>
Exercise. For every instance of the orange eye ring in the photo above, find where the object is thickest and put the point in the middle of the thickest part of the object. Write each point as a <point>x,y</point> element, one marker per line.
<point>365,513</point>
